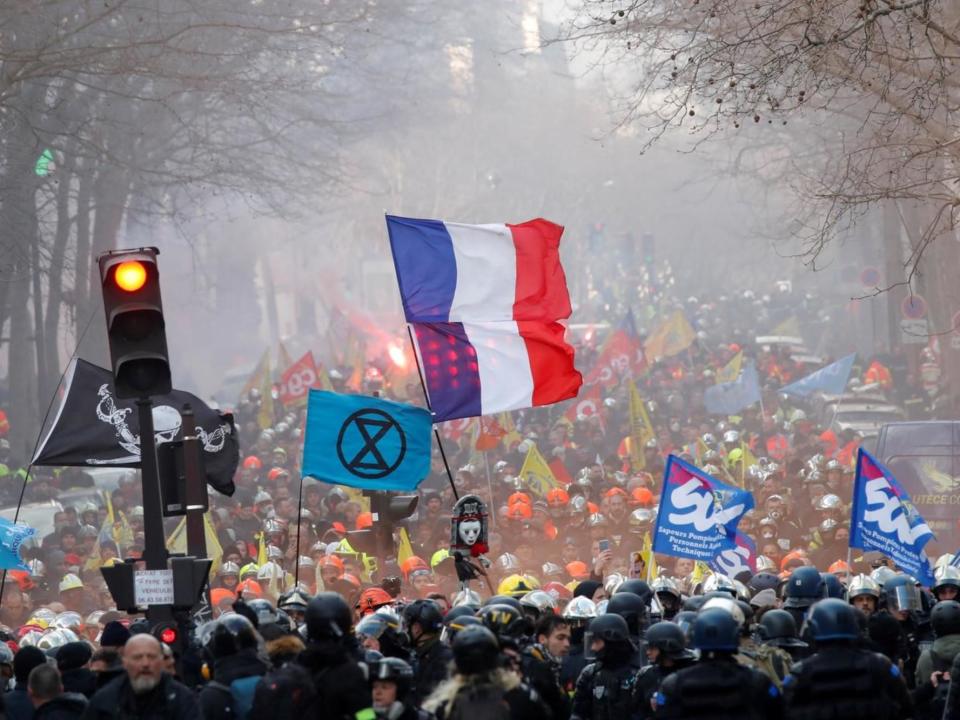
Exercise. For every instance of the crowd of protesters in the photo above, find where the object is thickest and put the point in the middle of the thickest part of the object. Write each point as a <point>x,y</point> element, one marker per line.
<point>304,617</point>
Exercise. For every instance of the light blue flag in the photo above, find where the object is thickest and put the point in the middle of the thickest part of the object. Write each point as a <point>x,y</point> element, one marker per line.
<point>366,442</point>
<point>11,538</point>
<point>698,514</point>
<point>831,379</point>
<point>731,398</point>
<point>885,520</point>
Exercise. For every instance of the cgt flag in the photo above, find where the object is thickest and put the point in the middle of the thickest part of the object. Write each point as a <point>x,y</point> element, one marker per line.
<point>698,514</point>
<point>885,520</point>
<point>366,442</point>
<point>93,427</point>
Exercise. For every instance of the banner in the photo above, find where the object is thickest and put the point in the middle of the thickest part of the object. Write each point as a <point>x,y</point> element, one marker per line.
<point>731,371</point>
<point>620,357</point>
<point>95,428</point>
<point>831,379</point>
<point>641,429</point>
<point>731,398</point>
<point>11,538</point>
<point>297,379</point>
<point>671,338</point>
<point>740,559</point>
<point>885,520</point>
<point>698,514</point>
<point>366,442</point>
<point>536,475</point>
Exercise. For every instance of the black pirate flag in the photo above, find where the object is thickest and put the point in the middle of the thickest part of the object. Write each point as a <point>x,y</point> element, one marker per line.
<point>95,428</point>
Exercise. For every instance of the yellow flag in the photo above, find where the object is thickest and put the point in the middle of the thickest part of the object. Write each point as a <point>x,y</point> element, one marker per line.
<point>511,437</point>
<point>262,380</point>
<point>177,542</point>
<point>404,548</point>
<point>649,562</point>
<point>789,327</point>
<point>699,574</point>
<point>355,360</point>
<point>731,371</point>
<point>262,557</point>
<point>283,357</point>
<point>536,473</point>
<point>641,430</point>
<point>671,338</point>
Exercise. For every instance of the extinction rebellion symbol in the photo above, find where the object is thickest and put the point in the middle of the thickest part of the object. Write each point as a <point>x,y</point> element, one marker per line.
<point>371,444</point>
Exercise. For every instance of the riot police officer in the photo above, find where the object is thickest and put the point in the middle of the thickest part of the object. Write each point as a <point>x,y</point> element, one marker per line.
<point>606,689</point>
<point>717,687</point>
<point>667,652</point>
<point>841,680</point>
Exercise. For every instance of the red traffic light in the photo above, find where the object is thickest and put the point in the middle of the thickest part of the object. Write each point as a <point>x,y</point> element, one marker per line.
<point>130,275</point>
<point>168,635</point>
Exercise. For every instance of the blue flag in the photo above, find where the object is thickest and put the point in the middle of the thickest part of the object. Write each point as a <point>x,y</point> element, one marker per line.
<point>698,514</point>
<point>731,398</point>
<point>733,561</point>
<point>11,538</point>
<point>366,442</point>
<point>885,520</point>
<point>831,379</point>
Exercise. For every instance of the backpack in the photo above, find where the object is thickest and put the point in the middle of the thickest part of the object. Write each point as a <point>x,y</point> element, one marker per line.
<point>241,693</point>
<point>285,692</point>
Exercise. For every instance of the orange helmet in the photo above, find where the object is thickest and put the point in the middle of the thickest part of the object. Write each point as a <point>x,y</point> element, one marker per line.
<point>519,511</point>
<point>519,497</point>
<point>558,497</point>
<point>593,507</point>
<point>252,462</point>
<point>352,579</point>
<point>642,496</point>
<point>364,520</point>
<point>332,561</point>
<point>578,570</point>
<point>219,595</point>
<point>276,473</point>
<point>251,588</point>
<point>840,566</point>
<point>790,560</point>
<point>371,599</point>
<point>413,563</point>
<point>615,491</point>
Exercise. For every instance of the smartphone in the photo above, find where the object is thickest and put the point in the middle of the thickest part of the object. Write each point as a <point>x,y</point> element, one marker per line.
<point>603,544</point>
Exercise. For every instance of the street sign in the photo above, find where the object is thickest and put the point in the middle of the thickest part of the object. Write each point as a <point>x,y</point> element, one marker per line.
<point>870,277</point>
<point>153,587</point>
<point>913,332</point>
<point>913,307</point>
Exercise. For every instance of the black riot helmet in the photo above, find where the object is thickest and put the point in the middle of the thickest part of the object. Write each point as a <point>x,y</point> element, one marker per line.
<point>804,587</point>
<point>328,617</point>
<point>506,622</point>
<point>669,639</point>
<point>779,629</point>
<point>394,670</point>
<point>630,607</point>
<point>231,634</point>
<point>475,650</point>
<point>945,618</point>
<point>504,600</point>
<point>832,620</point>
<point>637,587</point>
<point>426,614</point>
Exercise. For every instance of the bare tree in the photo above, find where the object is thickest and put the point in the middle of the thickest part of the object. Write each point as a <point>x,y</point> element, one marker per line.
<point>875,81</point>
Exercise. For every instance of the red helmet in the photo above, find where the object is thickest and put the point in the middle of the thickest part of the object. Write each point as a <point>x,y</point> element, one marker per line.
<point>252,462</point>
<point>276,473</point>
<point>371,599</point>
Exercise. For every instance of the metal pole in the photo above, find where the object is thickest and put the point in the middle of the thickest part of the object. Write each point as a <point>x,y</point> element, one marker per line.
<point>296,572</point>
<point>436,433</point>
<point>155,549</point>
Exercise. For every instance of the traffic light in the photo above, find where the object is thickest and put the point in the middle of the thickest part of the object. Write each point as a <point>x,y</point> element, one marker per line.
<point>135,327</point>
<point>389,511</point>
<point>168,632</point>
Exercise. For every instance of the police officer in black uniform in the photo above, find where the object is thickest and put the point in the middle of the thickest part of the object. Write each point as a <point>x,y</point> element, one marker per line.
<point>607,687</point>
<point>424,621</point>
<point>666,649</point>
<point>841,680</point>
<point>804,587</point>
<point>339,681</point>
<point>717,687</point>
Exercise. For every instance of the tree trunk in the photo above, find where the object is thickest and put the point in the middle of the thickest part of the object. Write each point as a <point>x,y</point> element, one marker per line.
<point>55,289</point>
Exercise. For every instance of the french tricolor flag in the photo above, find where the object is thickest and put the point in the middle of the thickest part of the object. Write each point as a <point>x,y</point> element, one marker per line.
<point>485,303</point>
